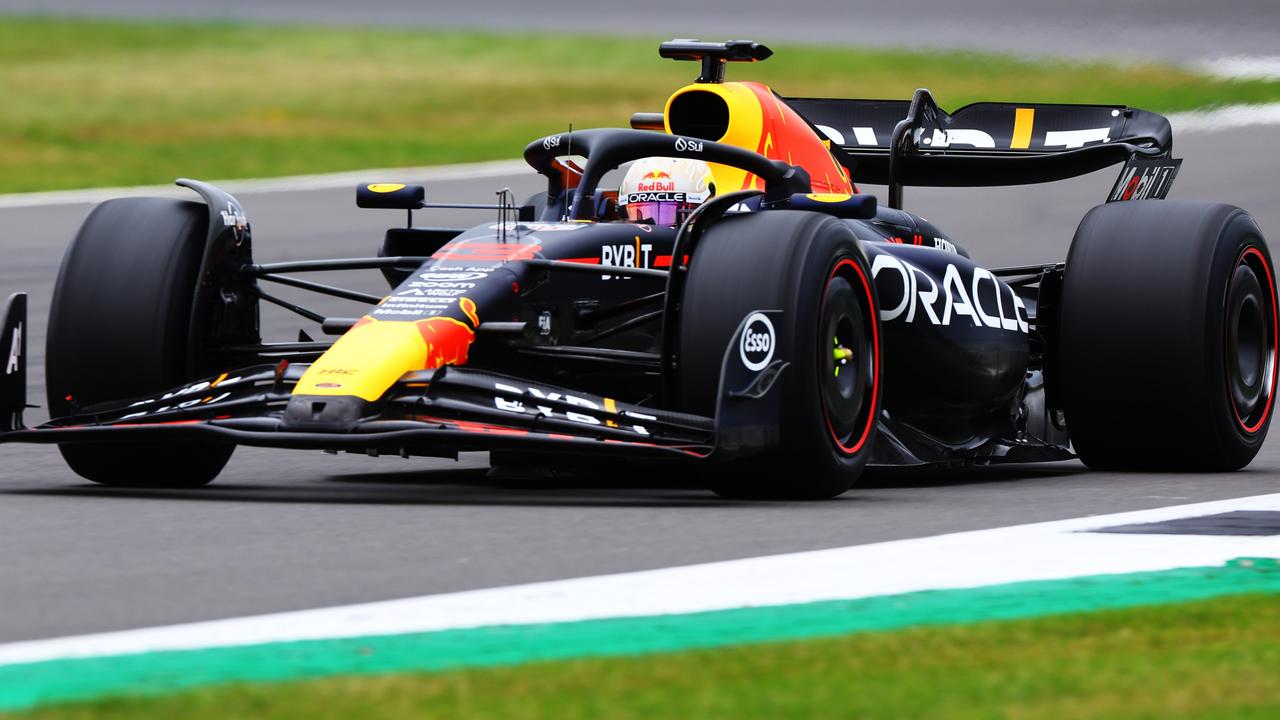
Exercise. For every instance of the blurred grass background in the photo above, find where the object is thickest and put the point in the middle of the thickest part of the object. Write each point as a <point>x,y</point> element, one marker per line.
<point>101,103</point>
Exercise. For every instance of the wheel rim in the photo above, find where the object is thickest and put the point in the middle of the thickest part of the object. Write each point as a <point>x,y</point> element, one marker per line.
<point>1251,330</point>
<point>848,357</point>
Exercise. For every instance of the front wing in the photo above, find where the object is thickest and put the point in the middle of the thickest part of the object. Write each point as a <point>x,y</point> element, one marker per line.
<point>438,412</point>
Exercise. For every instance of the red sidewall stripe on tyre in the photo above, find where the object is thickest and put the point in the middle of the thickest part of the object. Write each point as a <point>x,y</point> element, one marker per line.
<point>875,359</point>
<point>1275,343</point>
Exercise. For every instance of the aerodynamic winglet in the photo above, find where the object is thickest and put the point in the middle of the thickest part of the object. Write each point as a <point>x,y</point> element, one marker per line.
<point>13,377</point>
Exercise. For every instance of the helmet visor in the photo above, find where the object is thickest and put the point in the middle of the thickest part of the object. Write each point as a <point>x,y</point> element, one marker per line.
<point>658,208</point>
<point>658,213</point>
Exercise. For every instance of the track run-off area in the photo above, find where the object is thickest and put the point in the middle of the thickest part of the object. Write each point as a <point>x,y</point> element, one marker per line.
<point>1167,555</point>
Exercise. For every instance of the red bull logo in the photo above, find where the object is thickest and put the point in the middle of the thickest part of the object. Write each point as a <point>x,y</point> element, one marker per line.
<point>656,181</point>
<point>448,341</point>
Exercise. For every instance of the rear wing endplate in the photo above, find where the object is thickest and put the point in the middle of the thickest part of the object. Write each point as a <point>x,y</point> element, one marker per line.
<point>898,142</point>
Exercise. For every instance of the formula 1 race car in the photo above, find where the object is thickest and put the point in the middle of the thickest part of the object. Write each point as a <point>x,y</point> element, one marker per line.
<point>788,333</point>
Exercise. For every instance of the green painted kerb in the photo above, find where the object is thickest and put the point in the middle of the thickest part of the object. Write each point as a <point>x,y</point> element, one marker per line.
<point>28,685</point>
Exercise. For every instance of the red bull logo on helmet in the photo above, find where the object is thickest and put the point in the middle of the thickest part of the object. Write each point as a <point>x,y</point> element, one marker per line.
<point>656,181</point>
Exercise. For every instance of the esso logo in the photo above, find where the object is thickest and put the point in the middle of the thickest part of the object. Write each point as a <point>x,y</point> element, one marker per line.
<point>758,342</point>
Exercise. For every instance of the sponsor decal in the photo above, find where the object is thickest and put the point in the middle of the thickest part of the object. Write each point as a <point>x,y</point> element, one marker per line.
<point>946,245</point>
<point>448,341</point>
<point>427,310</point>
<point>551,142</point>
<point>455,276</point>
<point>417,302</point>
<point>907,292</point>
<point>862,135</point>
<point>1024,119</point>
<point>431,292</point>
<point>168,398</point>
<point>385,187</point>
<point>959,136</point>
<point>455,284</point>
<point>634,255</point>
<point>533,395</point>
<point>656,181</point>
<point>692,146</point>
<point>441,284</point>
<point>234,216</point>
<point>757,343</point>
<point>207,400</point>
<point>544,323</point>
<point>536,226</point>
<point>1144,179</point>
<point>638,197</point>
<point>1070,139</point>
<point>221,382</point>
<point>15,352</point>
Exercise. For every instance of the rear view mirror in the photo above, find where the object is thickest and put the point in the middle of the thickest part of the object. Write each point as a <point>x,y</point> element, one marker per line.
<point>391,196</point>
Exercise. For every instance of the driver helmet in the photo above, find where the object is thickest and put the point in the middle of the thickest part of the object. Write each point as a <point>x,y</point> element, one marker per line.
<point>663,190</point>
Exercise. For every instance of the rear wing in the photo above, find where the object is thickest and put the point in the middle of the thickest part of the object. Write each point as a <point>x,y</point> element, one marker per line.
<point>899,142</point>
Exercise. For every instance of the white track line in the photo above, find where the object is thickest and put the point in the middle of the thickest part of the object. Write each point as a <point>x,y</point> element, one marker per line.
<point>1041,551</point>
<point>1242,67</point>
<point>1229,117</point>
<point>293,183</point>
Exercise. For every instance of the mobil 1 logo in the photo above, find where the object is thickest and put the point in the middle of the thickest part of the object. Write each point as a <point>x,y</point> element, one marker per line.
<point>1145,179</point>
<point>757,343</point>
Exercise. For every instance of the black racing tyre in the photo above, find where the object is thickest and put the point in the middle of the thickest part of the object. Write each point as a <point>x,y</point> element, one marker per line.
<point>1168,333</point>
<point>119,328</point>
<point>812,268</point>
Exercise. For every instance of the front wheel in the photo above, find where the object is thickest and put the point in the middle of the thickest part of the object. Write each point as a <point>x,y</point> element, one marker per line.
<point>811,267</point>
<point>119,327</point>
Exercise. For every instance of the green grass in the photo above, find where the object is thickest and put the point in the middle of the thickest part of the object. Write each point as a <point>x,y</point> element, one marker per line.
<point>92,103</point>
<point>1210,659</point>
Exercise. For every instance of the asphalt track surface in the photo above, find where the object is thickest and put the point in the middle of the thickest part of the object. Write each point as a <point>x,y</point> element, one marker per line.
<point>283,530</point>
<point>1179,30</point>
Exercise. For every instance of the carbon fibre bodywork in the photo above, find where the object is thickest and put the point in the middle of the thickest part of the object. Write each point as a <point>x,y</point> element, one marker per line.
<point>553,341</point>
<point>552,329</point>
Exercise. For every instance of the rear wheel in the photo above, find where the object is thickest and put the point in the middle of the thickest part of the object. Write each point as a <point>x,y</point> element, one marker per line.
<point>1169,337</point>
<point>811,267</point>
<point>119,328</point>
